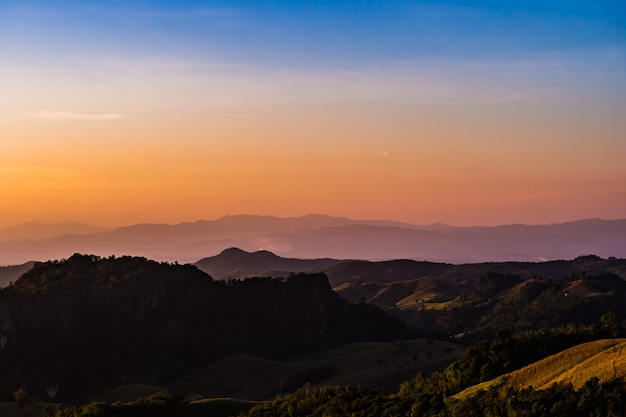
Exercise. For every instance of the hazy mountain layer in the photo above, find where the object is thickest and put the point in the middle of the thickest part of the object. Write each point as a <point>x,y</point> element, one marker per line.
<point>319,236</point>
<point>11,273</point>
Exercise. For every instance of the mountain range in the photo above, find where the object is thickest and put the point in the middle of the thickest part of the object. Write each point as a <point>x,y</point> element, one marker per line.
<point>451,298</point>
<point>317,236</point>
<point>155,324</point>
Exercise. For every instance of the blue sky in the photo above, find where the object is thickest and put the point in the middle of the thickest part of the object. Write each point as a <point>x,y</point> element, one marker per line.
<point>316,33</point>
<point>494,111</point>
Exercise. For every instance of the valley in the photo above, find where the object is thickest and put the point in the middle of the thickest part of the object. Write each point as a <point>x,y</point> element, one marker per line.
<point>243,332</point>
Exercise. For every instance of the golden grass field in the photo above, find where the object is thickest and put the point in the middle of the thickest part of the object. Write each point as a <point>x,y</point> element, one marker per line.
<point>603,359</point>
<point>234,382</point>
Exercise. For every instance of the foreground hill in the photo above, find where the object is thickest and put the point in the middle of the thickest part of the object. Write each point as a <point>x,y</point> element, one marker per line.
<point>434,395</point>
<point>70,327</point>
<point>598,395</point>
<point>318,236</point>
<point>600,359</point>
<point>370,365</point>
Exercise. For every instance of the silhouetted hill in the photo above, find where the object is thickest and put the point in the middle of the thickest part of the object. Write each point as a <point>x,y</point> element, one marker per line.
<point>383,271</point>
<point>463,275</point>
<point>237,263</point>
<point>69,327</point>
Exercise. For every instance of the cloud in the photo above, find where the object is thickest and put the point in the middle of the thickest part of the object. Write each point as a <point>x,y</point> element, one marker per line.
<point>72,116</point>
<point>390,153</point>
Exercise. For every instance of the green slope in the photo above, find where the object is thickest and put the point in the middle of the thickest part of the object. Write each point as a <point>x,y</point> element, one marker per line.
<point>382,365</point>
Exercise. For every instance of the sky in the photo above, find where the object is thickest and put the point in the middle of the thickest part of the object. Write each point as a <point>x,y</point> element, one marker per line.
<point>463,112</point>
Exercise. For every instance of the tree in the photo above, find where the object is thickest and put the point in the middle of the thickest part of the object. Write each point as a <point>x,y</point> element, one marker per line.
<point>611,321</point>
<point>21,396</point>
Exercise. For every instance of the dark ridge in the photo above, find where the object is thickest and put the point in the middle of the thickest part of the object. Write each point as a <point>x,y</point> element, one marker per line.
<point>237,263</point>
<point>87,322</point>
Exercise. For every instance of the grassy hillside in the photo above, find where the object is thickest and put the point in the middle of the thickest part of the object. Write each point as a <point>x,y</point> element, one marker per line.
<point>475,307</point>
<point>382,365</point>
<point>603,359</point>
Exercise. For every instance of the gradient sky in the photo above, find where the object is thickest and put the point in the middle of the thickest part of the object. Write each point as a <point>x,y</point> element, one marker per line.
<point>464,112</point>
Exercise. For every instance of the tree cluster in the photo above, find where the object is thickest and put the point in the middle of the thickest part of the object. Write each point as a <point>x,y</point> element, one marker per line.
<point>73,326</point>
<point>500,301</point>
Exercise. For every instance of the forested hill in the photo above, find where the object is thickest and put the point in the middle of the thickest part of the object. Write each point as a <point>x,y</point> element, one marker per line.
<point>70,327</point>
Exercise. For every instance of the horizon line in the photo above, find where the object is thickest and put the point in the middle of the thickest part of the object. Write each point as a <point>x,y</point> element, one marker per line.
<point>216,219</point>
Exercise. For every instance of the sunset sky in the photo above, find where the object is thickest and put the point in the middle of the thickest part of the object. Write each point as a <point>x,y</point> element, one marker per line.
<point>464,112</point>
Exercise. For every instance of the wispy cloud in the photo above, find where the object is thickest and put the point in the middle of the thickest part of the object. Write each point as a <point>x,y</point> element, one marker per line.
<point>390,153</point>
<point>72,116</point>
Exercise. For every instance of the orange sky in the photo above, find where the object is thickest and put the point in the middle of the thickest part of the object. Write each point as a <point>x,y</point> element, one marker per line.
<point>111,139</point>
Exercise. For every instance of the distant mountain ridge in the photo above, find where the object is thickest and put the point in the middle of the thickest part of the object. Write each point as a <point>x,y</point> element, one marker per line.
<point>11,273</point>
<point>237,263</point>
<point>39,230</point>
<point>320,236</point>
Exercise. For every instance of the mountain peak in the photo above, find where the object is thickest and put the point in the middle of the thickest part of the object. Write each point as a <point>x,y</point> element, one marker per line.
<point>237,263</point>
<point>233,251</point>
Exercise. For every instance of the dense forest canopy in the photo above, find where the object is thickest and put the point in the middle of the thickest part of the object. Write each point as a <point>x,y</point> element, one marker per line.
<point>88,321</point>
